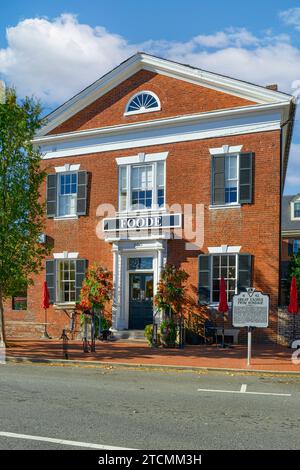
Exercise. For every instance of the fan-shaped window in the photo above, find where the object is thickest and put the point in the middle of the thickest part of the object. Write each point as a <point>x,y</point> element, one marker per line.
<point>143,102</point>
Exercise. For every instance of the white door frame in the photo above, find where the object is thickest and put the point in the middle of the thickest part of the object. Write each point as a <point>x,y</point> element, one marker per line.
<point>122,251</point>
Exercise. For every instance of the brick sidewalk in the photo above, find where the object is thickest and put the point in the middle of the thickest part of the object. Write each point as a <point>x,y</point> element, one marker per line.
<point>272,358</point>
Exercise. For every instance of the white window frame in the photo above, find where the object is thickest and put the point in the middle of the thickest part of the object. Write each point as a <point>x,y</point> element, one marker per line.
<point>155,187</point>
<point>237,179</point>
<point>293,209</point>
<point>58,195</point>
<point>230,204</point>
<point>236,254</point>
<point>225,150</point>
<point>58,281</point>
<point>142,110</point>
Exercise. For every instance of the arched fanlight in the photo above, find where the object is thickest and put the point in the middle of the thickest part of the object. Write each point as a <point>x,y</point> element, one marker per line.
<point>143,102</point>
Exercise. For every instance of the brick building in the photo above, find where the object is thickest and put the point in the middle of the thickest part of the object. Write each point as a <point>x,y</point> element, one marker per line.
<point>161,162</point>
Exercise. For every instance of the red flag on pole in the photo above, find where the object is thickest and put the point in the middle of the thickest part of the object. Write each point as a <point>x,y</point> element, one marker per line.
<point>293,305</point>
<point>46,297</point>
<point>223,306</point>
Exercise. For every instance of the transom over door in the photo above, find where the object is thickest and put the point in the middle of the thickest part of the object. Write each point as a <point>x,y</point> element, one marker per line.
<point>140,300</point>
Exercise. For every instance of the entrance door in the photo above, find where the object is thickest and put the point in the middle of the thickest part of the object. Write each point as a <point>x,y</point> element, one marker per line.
<point>140,300</point>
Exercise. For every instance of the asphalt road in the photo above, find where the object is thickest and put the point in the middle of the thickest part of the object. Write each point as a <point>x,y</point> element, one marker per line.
<point>145,409</point>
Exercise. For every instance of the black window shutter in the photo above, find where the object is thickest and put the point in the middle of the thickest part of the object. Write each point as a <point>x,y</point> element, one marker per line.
<point>245,272</point>
<point>291,247</point>
<point>51,279</point>
<point>82,192</point>
<point>204,279</point>
<point>51,195</point>
<point>246,177</point>
<point>218,180</point>
<point>81,265</point>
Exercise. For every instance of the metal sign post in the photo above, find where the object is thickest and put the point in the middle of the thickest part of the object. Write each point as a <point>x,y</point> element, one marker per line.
<point>250,309</point>
<point>249,346</point>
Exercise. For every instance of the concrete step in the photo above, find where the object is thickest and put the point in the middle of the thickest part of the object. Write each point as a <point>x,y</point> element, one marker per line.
<point>133,335</point>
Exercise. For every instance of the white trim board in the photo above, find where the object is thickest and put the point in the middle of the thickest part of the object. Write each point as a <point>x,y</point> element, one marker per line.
<point>149,136</point>
<point>142,158</point>
<point>65,255</point>
<point>66,168</point>
<point>226,114</point>
<point>225,149</point>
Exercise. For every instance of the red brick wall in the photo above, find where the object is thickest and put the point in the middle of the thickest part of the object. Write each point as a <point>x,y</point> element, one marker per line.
<point>255,226</point>
<point>177,98</point>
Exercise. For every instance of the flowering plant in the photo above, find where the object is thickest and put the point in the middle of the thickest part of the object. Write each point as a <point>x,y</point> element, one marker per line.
<point>97,288</point>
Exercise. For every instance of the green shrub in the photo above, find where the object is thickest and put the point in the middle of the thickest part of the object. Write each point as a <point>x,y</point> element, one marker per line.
<point>149,333</point>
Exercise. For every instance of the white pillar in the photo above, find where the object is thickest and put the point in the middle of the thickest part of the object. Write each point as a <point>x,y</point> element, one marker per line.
<point>116,298</point>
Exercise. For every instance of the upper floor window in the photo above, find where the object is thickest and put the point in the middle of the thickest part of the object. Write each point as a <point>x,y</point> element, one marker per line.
<point>231,179</point>
<point>296,210</point>
<point>67,194</point>
<point>142,102</point>
<point>142,186</point>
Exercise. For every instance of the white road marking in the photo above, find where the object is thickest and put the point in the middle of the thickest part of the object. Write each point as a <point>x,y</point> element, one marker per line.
<point>243,391</point>
<point>62,441</point>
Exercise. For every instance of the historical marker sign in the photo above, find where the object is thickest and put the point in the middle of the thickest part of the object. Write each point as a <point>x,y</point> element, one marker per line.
<point>250,309</point>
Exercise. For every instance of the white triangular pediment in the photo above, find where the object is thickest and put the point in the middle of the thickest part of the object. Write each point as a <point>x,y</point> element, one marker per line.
<point>139,61</point>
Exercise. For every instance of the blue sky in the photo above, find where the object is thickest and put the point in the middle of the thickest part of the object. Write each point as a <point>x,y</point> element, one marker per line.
<point>55,48</point>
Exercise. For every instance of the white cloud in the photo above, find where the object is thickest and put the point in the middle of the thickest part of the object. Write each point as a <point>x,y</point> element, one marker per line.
<point>291,17</point>
<point>54,59</point>
<point>292,183</point>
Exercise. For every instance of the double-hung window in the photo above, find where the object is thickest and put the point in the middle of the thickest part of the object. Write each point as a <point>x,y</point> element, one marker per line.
<point>296,210</point>
<point>235,268</point>
<point>293,247</point>
<point>64,279</point>
<point>66,287</point>
<point>142,186</point>
<point>67,194</point>
<point>231,179</point>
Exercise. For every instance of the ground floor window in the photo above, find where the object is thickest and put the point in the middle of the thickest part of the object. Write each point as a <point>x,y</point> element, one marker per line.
<point>64,278</point>
<point>66,281</point>
<point>140,263</point>
<point>234,268</point>
<point>293,247</point>
<point>224,266</point>
<point>19,302</point>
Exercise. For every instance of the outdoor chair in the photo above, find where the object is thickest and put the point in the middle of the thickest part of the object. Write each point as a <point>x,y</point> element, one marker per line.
<point>210,332</point>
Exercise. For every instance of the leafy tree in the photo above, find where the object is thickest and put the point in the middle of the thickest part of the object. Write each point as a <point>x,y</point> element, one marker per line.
<point>171,290</point>
<point>21,209</point>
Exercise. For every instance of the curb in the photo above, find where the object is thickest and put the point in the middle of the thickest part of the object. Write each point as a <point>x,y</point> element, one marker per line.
<point>64,362</point>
